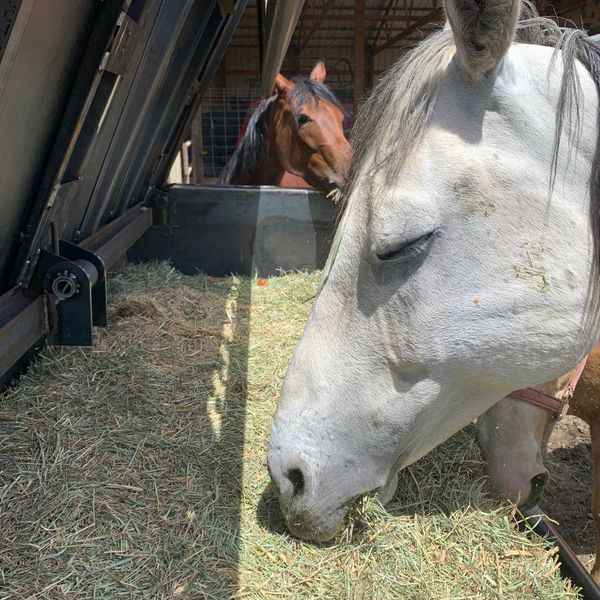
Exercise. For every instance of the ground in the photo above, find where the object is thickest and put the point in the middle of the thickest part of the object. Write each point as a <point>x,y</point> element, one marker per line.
<point>567,499</point>
<point>137,469</point>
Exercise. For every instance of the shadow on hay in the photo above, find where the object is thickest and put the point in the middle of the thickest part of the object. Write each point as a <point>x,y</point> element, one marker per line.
<point>131,452</point>
<point>268,514</point>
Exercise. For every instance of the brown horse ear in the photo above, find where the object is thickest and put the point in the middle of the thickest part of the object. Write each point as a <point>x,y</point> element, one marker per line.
<point>319,72</point>
<point>282,85</point>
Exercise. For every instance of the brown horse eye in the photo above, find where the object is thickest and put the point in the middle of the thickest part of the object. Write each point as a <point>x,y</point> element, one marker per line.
<point>303,119</point>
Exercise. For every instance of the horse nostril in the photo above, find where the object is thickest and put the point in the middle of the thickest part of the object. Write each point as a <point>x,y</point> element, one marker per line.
<point>538,483</point>
<point>297,478</point>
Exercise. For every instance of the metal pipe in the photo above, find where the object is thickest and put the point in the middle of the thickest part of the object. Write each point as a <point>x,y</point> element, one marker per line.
<point>281,29</point>
<point>570,566</point>
<point>89,269</point>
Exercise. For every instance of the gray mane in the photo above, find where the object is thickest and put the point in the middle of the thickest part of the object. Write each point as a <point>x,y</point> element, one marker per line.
<point>248,156</point>
<point>399,107</point>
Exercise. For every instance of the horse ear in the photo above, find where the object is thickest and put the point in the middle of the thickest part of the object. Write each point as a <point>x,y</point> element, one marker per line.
<point>483,32</point>
<point>282,85</point>
<point>319,71</point>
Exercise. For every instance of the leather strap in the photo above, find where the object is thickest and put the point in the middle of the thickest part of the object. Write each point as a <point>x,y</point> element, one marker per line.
<point>557,405</point>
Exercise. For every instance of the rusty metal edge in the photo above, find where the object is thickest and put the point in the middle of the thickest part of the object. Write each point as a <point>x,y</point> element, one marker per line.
<point>23,322</point>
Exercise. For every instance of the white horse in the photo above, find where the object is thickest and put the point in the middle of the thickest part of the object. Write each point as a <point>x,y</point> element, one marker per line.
<point>468,262</point>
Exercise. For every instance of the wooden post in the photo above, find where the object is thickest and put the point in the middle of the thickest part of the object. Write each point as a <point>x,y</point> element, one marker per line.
<point>197,148</point>
<point>359,51</point>
<point>222,73</point>
<point>185,162</point>
<point>294,58</point>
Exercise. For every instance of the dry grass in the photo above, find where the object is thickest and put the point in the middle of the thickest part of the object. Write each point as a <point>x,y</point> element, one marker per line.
<point>136,469</point>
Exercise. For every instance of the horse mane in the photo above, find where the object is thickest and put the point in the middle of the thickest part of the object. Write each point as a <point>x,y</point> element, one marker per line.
<point>399,108</point>
<point>248,156</point>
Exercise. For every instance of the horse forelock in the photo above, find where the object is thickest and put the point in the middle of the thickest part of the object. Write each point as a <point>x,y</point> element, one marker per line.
<point>306,90</point>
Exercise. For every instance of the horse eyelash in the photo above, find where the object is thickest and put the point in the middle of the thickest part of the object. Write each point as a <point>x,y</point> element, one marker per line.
<point>409,250</point>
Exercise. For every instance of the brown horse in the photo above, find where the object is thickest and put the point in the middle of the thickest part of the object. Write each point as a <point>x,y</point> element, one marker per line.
<point>513,436</point>
<point>298,130</point>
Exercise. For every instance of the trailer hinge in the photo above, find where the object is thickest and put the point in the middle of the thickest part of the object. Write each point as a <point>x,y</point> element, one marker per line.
<point>75,283</point>
<point>119,56</point>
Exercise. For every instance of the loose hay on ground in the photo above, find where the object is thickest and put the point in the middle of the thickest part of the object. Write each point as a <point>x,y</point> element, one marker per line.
<point>136,469</point>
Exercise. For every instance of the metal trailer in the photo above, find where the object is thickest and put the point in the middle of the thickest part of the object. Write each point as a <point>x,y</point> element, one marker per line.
<point>96,97</point>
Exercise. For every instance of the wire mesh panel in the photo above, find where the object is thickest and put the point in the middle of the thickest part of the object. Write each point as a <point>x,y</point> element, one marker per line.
<point>225,112</point>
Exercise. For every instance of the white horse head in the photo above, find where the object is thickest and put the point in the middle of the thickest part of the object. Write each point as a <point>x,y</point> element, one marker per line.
<point>467,265</point>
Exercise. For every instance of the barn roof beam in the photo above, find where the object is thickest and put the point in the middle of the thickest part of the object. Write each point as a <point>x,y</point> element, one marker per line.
<point>386,17</point>
<point>402,18</point>
<point>333,17</point>
<point>318,19</point>
<point>433,15</point>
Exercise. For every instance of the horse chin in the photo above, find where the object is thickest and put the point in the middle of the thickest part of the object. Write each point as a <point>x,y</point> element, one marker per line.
<point>386,493</point>
<point>316,528</point>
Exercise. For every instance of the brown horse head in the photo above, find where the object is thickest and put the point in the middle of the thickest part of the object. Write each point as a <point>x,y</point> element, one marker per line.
<point>298,130</point>
<point>309,132</point>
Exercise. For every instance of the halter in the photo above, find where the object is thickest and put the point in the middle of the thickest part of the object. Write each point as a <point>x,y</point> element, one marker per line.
<point>558,404</point>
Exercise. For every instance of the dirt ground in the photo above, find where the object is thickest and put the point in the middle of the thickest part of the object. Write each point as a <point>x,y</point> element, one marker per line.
<point>567,498</point>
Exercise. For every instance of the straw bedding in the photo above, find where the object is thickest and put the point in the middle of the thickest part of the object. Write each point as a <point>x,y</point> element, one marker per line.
<point>136,469</point>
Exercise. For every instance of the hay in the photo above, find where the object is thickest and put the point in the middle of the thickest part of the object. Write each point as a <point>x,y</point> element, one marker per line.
<point>136,469</point>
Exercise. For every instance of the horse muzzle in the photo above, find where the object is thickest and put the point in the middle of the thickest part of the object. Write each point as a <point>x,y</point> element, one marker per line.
<point>314,494</point>
<point>524,488</point>
<point>306,518</point>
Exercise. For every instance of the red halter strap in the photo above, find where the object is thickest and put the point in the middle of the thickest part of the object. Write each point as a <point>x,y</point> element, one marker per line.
<point>557,406</point>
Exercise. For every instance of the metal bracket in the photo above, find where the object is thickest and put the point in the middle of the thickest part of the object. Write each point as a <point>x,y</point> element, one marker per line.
<point>118,58</point>
<point>75,283</point>
<point>99,293</point>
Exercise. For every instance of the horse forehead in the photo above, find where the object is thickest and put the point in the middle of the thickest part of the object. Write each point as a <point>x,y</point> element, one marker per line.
<point>516,95</point>
<point>321,109</point>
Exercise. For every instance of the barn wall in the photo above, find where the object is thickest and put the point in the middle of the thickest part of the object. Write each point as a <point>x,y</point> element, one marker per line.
<point>236,88</point>
<point>242,66</point>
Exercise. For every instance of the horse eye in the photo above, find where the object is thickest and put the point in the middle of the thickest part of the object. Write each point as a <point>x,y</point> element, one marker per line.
<point>303,119</point>
<point>409,251</point>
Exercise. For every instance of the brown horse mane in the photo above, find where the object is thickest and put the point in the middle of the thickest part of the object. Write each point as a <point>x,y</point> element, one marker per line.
<point>248,156</point>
